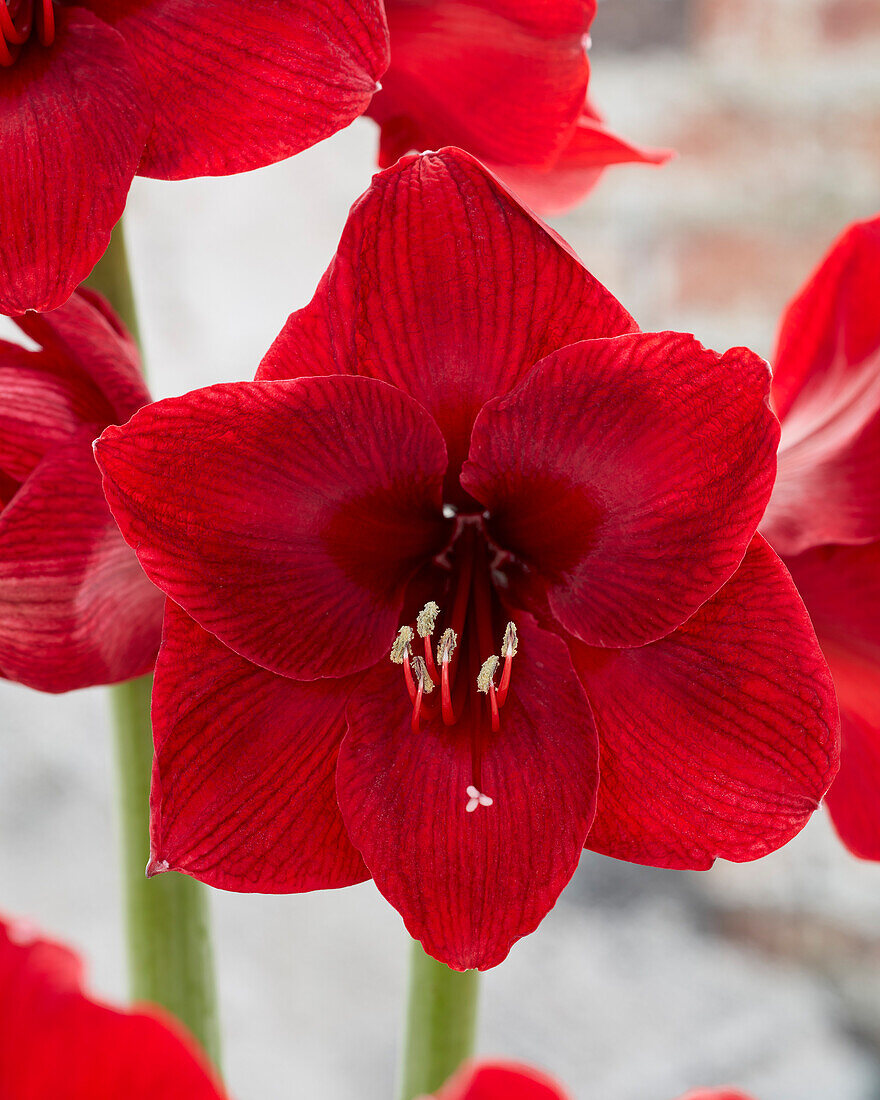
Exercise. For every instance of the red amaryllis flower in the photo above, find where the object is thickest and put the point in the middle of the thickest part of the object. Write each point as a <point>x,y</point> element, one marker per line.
<point>56,1041</point>
<point>824,515</point>
<point>506,80</point>
<point>515,1081</point>
<point>96,91</point>
<point>462,454</point>
<point>75,606</point>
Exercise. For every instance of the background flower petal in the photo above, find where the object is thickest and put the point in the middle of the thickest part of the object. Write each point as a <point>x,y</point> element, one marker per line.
<point>284,517</point>
<point>244,778</point>
<point>721,739</point>
<point>630,474</point>
<point>468,885</point>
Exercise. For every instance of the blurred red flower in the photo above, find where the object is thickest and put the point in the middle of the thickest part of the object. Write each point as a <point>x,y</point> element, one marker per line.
<point>75,606</point>
<point>506,80</point>
<point>464,432</point>
<point>515,1081</point>
<point>56,1041</point>
<point>96,91</point>
<point>824,514</point>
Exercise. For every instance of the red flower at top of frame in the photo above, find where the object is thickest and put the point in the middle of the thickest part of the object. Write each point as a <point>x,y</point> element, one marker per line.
<point>95,91</point>
<point>515,1081</point>
<point>75,606</point>
<point>824,514</point>
<point>506,80</point>
<point>462,453</point>
<point>56,1041</point>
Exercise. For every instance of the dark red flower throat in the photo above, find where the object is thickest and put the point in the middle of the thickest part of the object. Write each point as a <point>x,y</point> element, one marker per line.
<point>19,19</point>
<point>462,660</point>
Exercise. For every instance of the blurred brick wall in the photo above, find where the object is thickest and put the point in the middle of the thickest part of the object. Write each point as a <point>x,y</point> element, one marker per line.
<point>774,109</point>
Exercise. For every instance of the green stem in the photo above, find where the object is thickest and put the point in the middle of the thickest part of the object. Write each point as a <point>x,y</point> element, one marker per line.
<point>440,1025</point>
<point>169,944</point>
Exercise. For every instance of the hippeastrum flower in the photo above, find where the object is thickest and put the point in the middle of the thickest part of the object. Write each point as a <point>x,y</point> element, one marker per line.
<point>506,80</point>
<point>75,606</point>
<point>461,454</point>
<point>824,514</point>
<point>96,91</point>
<point>56,1041</point>
<point>515,1081</point>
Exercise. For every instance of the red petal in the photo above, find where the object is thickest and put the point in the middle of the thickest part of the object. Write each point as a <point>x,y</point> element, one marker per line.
<point>841,587</point>
<point>719,740</point>
<point>446,287</point>
<point>468,885</point>
<point>715,1094</point>
<point>244,781</point>
<point>57,1042</point>
<point>574,173</point>
<point>505,80</point>
<point>284,517</point>
<point>826,388</point>
<point>501,1081</point>
<point>86,334</point>
<point>75,607</point>
<point>606,474</point>
<point>75,117</point>
<point>239,87</point>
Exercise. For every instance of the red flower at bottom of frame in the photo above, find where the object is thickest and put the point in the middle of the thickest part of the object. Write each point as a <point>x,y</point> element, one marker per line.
<point>824,514</point>
<point>462,455</point>
<point>55,1041</point>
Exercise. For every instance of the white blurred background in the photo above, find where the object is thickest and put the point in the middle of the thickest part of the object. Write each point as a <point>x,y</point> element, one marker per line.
<point>640,983</point>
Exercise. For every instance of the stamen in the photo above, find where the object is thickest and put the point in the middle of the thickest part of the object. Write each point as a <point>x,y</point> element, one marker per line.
<point>46,25</point>
<point>476,798</point>
<point>509,647</point>
<point>487,674</point>
<point>425,687</point>
<point>448,642</point>
<point>402,645</point>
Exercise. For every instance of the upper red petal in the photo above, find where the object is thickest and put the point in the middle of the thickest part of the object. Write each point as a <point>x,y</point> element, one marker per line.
<point>501,1081</point>
<point>468,885</point>
<point>504,80</point>
<point>244,777</point>
<point>74,118</point>
<point>720,739</point>
<point>284,517</point>
<point>75,606</point>
<point>826,389</point>
<point>446,287</point>
<point>55,1041</point>
<point>238,86</point>
<point>630,474</point>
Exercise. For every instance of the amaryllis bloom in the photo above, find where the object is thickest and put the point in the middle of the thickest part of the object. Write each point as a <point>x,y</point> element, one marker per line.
<point>824,514</point>
<point>96,91</point>
<point>75,606</point>
<point>56,1041</point>
<point>506,80</point>
<point>515,1081</point>
<point>463,456</point>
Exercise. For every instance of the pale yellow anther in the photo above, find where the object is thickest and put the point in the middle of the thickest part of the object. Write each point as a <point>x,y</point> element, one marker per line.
<point>420,672</point>
<point>402,645</point>
<point>487,673</point>
<point>427,619</point>
<point>511,640</point>
<point>448,642</point>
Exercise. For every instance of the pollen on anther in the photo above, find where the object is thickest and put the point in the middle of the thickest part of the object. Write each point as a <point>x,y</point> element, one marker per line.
<point>420,672</point>
<point>476,798</point>
<point>402,644</point>
<point>487,673</point>
<point>448,642</point>
<point>427,619</point>
<point>511,640</point>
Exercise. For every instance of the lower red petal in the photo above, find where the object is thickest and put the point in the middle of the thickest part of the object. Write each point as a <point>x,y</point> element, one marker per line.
<point>501,1081</point>
<point>244,794</point>
<point>720,739</point>
<point>74,118</point>
<point>468,885</point>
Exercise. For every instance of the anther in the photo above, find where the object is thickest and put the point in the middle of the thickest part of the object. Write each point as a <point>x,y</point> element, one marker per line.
<point>476,798</point>
<point>508,650</point>
<point>402,645</point>
<point>427,619</point>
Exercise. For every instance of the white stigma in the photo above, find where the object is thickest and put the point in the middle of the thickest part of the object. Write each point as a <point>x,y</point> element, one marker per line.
<point>487,673</point>
<point>401,647</point>
<point>427,619</point>
<point>476,798</point>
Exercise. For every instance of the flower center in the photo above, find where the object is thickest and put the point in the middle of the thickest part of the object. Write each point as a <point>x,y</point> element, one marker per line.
<point>469,619</point>
<point>18,20</point>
